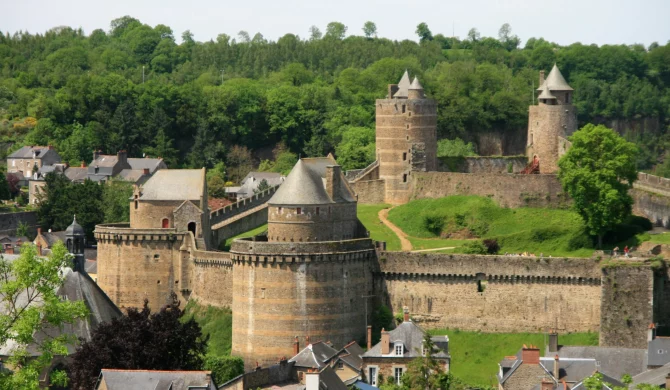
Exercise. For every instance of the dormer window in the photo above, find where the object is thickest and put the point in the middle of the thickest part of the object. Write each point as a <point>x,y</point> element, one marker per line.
<point>398,350</point>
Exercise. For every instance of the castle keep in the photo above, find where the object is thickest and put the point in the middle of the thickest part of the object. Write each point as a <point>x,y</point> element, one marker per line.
<point>311,273</point>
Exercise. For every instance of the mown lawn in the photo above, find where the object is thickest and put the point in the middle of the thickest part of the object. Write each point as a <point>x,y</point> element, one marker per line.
<point>215,322</point>
<point>475,355</point>
<point>250,233</point>
<point>536,230</point>
<point>368,215</point>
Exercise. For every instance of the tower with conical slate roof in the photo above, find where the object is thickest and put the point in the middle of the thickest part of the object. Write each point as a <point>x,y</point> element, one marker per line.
<point>406,137</point>
<point>551,121</point>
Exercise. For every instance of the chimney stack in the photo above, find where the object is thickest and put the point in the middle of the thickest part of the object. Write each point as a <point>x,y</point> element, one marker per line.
<point>369,337</point>
<point>96,154</point>
<point>651,332</point>
<point>386,342</point>
<point>392,89</point>
<point>122,156</point>
<point>557,373</point>
<point>553,340</point>
<point>296,346</point>
<point>541,78</point>
<point>405,311</point>
<point>146,172</point>
<point>51,147</point>
<point>333,173</point>
<point>667,381</point>
<point>83,165</point>
<point>39,231</point>
<point>530,354</point>
<point>312,380</point>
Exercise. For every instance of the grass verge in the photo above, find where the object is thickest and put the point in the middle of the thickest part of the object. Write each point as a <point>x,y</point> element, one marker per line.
<point>250,233</point>
<point>476,355</point>
<point>368,214</point>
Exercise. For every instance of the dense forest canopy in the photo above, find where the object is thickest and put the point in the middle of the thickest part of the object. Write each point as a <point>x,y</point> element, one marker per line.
<point>134,87</point>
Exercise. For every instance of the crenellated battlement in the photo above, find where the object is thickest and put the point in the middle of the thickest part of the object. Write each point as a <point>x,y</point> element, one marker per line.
<point>506,279</point>
<point>241,206</point>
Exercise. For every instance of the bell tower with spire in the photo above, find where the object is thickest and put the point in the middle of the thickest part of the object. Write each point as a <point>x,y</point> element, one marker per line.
<point>550,122</point>
<point>75,240</point>
<point>406,137</point>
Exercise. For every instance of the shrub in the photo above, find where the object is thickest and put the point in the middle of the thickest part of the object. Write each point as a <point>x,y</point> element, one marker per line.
<point>579,239</point>
<point>475,248</point>
<point>545,234</point>
<point>492,246</point>
<point>642,222</point>
<point>434,223</point>
<point>224,368</point>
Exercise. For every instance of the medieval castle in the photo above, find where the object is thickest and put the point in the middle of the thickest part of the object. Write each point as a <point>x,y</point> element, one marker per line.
<point>314,271</point>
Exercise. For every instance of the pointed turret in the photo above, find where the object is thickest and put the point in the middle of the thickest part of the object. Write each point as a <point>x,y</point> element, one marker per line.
<point>403,86</point>
<point>546,94</point>
<point>555,81</point>
<point>75,240</point>
<point>415,90</point>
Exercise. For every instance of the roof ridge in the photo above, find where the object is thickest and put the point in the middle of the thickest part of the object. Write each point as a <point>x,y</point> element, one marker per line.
<point>172,371</point>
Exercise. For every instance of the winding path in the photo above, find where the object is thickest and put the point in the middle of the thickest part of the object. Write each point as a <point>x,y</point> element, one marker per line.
<point>404,242</point>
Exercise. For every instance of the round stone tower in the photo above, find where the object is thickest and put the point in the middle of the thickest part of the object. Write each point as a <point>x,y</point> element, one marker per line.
<point>406,136</point>
<point>550,122</point>
<point>309,275</point>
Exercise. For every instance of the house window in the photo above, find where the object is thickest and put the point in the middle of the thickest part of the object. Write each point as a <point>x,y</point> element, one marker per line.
<point>340,365</point>
<point>372,377</point>
<point>13,163</point>
<point>398,350</point>
<point>165,223</point>
<point>397,373</point>
<point>299,210</point>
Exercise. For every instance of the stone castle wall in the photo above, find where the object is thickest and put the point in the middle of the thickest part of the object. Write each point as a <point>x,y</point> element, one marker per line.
<point>150,214</point>
<point>283,290</point>
<point>493,293</point>
<point>328,222</point>
<point>508,190</point>
<point>211,278</point>
<point>482,164</point>
<point>9,222</point>
<point>370,191</point>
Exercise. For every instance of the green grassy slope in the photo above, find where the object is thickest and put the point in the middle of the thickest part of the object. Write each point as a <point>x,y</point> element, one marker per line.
<point>475,355</point>
<point>368,215</point>
<point>250,233</point>
<point>538,230</point>
<point>217,323</point>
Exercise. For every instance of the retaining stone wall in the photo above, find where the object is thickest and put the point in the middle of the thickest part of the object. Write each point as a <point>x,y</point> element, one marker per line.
<point>484,164</point>
<point>9,222</point>
<point>371,191</point>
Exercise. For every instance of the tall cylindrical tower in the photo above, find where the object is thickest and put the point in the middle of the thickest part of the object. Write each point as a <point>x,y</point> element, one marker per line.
<point>309,276</point>
<point>406,137</point>
<point>551,122</point>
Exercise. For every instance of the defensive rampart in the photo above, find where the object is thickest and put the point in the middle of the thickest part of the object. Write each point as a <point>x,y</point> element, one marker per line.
<point>508,190</point>
<point>241,206</point>
<point>651,195</point>
<point>371,191</point>
<point>482,164</point>
<point>9,222</point>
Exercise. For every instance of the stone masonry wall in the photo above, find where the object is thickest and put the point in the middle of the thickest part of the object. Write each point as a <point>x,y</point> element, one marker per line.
<point>212,280</point>
<point>508,190</point>
<point>9,222</point>
<point>371,191</point>
<point>493,293</point>
<point>483,164</point>
<point>627,306</point>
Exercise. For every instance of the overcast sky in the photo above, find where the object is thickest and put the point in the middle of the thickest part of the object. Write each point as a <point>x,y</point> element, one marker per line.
<point>561,21</point>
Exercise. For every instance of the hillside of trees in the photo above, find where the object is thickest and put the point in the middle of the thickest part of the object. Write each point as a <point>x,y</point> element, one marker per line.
<point>135,88</point>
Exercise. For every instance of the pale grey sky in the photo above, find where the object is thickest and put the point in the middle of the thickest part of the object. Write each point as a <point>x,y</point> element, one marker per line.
<point>562,21</point>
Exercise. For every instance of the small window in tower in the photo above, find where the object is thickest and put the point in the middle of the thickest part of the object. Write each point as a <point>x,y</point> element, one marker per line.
<point>279,210</point>
<point>136,204</point>
<point>403,108</point>
<point>262,293</point>
<point>157,256</point>
<point>404,178</point>
<point>408,137</point>
<point>409,113</point>
<point>317,211</point>
<point>404,157</point>
<point>299,211</point>
<point>566,97</point>
<point>408,126</point>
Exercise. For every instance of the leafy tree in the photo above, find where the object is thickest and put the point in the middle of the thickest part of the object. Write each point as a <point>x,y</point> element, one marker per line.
<point>426,372</point>
<point>357,148</point>
<point>216,187</point>
<point>23,230</point>
<point>116,200</point>
<point>262,186</point>
<point>423,32</point>
<point>243,36</point>
<point>336,30</point>
<point>314,33</point>
<point>370,30</point>
<point>473,35</point>
<point>454,148</point>
<point>29,286</point>
<point>382,318</point>
<point>5,194</point>
<point>239,163</point>
<point>224,368</point>
<point>140,340</point>
<point>162,147</point>
<point>597,172</point>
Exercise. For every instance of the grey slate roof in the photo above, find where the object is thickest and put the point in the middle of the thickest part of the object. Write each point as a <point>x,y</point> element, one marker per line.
<point>135,176</point>
<point>351,355</point>
<point>330,381</point>
<point>39,151</point>
<point>613,361</point>
<point>570,369</point>
<point>305,185</point>
<point>411,336</point>
<point>658,351</point>
<point>53,237</point>
<point>608,383</point>
<point>403,86</point>
<point>175,184</point>
<point>415,84</point>
<point>655,376</point>
<point>152,164</point>
<point>253,179</point>
<point>76,174</point>
<point>156,380</point>
<point>546,94</point>
<point>314,355</point>
<point>555,81</point>
<point>74,228</point>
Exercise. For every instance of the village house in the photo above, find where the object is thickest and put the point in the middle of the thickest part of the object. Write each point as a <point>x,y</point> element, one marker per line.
<point>30,158</point>
<point>389,358</point>
<point>155,380</point>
